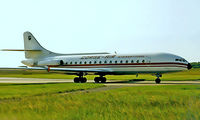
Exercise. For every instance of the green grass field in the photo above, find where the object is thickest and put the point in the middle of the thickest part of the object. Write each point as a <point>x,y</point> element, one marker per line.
<point>132,103</point>
<point>193,74</point>
<point>8,90</point>
<point>49,101</point>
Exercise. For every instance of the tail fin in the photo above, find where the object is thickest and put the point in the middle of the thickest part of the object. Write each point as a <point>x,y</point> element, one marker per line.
<point>33,49</point>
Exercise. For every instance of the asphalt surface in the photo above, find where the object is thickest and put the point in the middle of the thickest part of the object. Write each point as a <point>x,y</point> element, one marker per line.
<point>109,82</point>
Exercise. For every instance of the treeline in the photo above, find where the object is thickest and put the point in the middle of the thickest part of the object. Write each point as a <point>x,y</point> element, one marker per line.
<point>195,64</point>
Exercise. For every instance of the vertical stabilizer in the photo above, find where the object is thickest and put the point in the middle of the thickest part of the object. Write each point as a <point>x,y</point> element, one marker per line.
<point>33,49</point>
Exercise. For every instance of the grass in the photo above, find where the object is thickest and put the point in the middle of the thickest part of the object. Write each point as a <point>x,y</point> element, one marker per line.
<point>44,101</point>
<point>132,103</point>
<point>193,74</point>
<point>22,90</point>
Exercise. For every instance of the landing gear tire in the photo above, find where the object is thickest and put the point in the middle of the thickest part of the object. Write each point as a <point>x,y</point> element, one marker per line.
<point>80,80</point>
<point>96,79</point>
<point>103,80</point>
<point>157,80</point>
<point>76,80</point>
<point>83,80</point>
<point>100,79</point>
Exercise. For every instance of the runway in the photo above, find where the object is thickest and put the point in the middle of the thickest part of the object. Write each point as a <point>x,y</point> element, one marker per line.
<point>109,82</point>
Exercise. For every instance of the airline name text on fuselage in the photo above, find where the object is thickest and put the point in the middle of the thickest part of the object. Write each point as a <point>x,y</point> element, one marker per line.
<point>108,56</point>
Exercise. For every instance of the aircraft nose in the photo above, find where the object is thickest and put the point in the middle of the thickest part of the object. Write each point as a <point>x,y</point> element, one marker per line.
<point>189,66</point>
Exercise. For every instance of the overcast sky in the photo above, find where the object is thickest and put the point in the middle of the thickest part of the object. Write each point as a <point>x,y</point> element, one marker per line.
<point>125,26</point>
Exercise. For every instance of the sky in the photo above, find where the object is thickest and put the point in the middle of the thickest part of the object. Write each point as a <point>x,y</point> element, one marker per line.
<point>124,26</point>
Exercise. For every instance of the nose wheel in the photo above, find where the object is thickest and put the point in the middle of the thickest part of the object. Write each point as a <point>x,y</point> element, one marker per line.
<point>158,78</point>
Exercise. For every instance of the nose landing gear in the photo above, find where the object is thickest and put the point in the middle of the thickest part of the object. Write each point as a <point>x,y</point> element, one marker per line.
<point>158,78</point>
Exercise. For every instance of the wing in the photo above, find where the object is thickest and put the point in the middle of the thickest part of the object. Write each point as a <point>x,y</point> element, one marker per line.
<point>81,69</point>
<point>64,70</point>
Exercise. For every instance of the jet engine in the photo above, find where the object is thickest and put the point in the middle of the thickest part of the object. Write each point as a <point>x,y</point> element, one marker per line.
<point>28,62</point>
<point>50,62</point>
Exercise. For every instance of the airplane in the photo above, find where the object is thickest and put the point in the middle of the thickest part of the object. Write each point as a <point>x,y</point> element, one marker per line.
<point>102,64</point>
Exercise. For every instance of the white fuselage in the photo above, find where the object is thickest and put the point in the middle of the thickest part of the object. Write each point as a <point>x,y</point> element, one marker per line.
<point>80,64</point>
<point>118,64</point>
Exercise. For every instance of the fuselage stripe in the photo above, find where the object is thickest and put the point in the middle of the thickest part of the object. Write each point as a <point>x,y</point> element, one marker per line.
<point>125,65</point>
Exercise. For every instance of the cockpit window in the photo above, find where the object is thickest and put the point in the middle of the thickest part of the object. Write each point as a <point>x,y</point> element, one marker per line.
<point>181,60</point>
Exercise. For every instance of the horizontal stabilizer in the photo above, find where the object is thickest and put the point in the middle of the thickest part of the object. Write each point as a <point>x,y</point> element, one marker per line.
<point>60,54</point>
<point>20,50</point>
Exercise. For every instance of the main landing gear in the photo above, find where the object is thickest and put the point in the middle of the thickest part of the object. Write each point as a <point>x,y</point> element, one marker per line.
<point>100,79</point>
<point>158,78</point>
<point>80,79</point>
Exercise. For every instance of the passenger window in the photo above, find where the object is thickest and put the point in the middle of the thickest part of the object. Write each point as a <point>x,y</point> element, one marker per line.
<point>116,62</point>
<point>75,62</point>
<point>132,61</point>
<point>95,62</point>
<point>137,61</point>
<point>80,62</point>
<point>126,61</point>
<point>85,62</point>
<point>143,61</point>
<point>66,63</point>
<point>121,61</point>
<point>90,62</point>
<point>70,62</point>
<point>99,62</point>
<point>110,62</point>
<point>105,62</point>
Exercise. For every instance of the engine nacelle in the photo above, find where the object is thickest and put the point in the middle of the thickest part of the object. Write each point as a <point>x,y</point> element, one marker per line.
<point>28,62</point>
<point>50,62</point>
